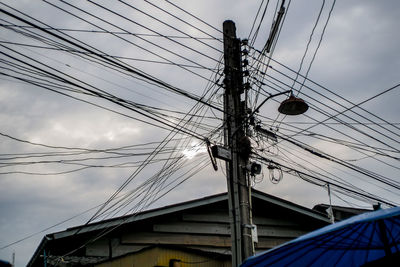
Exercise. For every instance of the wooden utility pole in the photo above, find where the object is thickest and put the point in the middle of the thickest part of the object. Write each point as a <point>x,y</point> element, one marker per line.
<point>239,146</point>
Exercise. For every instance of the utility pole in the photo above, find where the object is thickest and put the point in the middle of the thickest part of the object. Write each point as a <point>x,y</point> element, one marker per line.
<point>239,146</point>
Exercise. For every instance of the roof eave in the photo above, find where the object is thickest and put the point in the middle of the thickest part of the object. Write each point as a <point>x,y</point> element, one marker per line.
<point>38,250</point>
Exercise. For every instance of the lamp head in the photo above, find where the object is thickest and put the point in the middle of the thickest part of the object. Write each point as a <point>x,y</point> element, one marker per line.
<point>293,106</point>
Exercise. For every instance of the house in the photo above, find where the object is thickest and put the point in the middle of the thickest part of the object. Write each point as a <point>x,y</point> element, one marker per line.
<point>196,231</point>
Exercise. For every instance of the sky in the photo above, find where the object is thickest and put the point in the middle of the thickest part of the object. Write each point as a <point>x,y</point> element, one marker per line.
<point>63,156</point>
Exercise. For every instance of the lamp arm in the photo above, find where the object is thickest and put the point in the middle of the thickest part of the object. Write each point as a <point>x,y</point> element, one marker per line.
<point>265,100</point>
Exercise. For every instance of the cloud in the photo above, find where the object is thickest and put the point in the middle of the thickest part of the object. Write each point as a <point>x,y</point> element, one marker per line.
<point>357,59</point>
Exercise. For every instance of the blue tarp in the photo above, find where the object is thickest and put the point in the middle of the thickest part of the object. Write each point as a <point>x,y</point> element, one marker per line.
<point>5,264</point>
<point>353,242</point>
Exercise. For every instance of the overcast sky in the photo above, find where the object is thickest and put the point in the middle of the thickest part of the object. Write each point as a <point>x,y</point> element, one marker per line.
<point>41,186</point>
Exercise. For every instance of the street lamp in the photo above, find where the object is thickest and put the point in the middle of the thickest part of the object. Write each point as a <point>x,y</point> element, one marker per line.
<point>293,106</point>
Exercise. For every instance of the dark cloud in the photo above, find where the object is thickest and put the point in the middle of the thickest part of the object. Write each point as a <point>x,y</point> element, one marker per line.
<point>357,60</point>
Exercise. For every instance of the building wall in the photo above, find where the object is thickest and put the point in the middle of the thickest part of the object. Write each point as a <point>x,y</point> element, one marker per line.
<point>161,257</point>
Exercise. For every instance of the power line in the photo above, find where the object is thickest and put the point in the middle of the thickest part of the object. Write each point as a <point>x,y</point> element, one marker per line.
<point>184,21</point>
<point>259,24</point>
<point>309,41</point>
<point>187,12</point>
<point>319,44</point>
<point>356,193</point>
<point>172,27</point>
<point>352,145</point>
<point>113,32</point>
<point>324,155</point>
<point>133,211</point>
<point>132,43</point>
<point>147,28</point>
<point>273,41</point>
<point>130,178</point>
<point>107,96</point>
<point>327,125</point>
<point>115,63</point>
<point>111,56</point>
<point>324,88</point>
<point>336,177</point>
<point>329,116</point>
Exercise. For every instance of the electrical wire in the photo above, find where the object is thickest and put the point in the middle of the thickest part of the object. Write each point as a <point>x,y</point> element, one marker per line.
<point>197,18</point>
<point>309,41</point>
<point>329,116</point>
<point>319,44</point>
<point>174,28</point>
<point>253,39</point>
<point>115,32</point>
<point>129,69</point>
<point>323,88</point>
<point>130,42</point>
<point>338,187</point>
